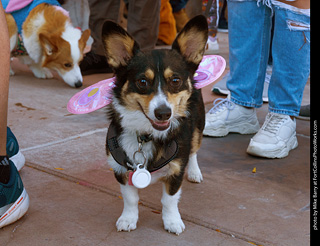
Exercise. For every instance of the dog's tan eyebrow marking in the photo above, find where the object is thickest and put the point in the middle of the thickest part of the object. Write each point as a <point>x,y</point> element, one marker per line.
<point>149,74</point>
<point>168,73</point>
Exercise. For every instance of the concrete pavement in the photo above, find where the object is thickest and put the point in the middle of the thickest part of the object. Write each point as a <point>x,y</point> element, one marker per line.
<point>75,200</point>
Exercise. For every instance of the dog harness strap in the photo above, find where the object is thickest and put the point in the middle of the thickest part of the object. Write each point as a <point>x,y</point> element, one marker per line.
<point>116,151</point>
<point>121,158</point>
<point>170,153</point>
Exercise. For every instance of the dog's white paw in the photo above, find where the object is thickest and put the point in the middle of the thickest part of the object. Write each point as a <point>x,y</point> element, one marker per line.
<point>194,175</point>
<point>43,73</point>
<point>127,223</point>
<point>174,225</point>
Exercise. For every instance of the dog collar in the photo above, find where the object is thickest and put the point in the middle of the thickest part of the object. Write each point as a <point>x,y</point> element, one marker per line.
<point>121,158</point>
<point>99,95</point>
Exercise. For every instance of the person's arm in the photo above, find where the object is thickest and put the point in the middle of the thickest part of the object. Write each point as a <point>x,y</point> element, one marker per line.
<point>4,79</point>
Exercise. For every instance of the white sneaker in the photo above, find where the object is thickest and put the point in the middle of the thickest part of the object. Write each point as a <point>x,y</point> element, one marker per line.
<point>226,116</point>
<point>212,47</point>
<point>19,160</point>
<point>276,137</point>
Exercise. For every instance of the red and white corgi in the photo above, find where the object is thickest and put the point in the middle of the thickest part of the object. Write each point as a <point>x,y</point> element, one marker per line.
<point>51,42</point>
<point>157,118</point>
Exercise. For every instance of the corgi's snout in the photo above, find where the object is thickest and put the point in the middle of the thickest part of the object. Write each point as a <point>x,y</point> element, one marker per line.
<point>162,113</point>
<point>72,77</point>
<point>78,84</point>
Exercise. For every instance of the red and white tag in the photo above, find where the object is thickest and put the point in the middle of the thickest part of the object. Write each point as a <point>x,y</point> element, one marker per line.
<point>140,178</point>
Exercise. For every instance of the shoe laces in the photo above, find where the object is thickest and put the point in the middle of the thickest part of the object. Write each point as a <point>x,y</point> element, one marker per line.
<point>273,122</point>
<point>220,104</point>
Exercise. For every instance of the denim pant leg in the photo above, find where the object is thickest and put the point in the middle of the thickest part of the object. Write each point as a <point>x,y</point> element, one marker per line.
<point>291,60</point>
<point>249,43</point>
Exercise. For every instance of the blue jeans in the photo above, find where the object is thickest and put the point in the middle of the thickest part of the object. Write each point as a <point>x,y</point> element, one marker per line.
<point>249,43</point>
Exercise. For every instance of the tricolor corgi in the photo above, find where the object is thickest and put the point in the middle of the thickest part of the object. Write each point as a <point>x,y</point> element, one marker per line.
<point>49,39</point>
<point>157,118</point>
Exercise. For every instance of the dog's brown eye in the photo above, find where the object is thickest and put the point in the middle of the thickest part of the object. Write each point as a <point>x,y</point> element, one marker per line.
<point>142,83</point>
<point>68,65</point>
<point>175,82</point>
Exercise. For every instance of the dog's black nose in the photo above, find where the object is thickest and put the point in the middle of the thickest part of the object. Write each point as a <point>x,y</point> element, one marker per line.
<point>162,113</point>
<point>78,84</point>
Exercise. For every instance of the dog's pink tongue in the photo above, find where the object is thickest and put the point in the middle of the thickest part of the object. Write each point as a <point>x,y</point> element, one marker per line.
<point>161,126</point>
<point>164,123</point>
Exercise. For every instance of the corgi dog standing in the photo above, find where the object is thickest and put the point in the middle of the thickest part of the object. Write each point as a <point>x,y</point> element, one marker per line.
<point>157,118</point>
<point>49,38</point>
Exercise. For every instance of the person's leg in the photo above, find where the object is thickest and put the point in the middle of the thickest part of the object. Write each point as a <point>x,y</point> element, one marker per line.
<point>4,88</point>
<point>14,200</point>
<point>143,22</point>
<point>167,26</point>
<point>178,5</point>
<point>291,67</point>
<point>179,13</point>
<point>210,9</point>
<point>223,19</point>
<point>249,42</point>
<point>291,58</point>
<point>100,11</point>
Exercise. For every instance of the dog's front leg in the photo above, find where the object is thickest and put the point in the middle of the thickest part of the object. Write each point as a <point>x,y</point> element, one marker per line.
<point>170,213</point>
<point>38,71</point>
<point>129,217</point>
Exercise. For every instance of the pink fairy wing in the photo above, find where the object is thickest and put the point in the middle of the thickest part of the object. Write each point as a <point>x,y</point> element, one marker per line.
<point>209,70</point>
<point>92,98</point>
<point>99,95</point>
<point>15,5</point>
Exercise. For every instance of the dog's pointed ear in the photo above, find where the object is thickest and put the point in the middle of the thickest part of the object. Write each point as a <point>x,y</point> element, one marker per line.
<point>192,40</point>
<point>119,46</point>
<point>84,38</point>
<point>47,44</point>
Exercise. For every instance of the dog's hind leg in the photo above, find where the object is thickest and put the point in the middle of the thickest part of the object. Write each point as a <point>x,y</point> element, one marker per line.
<point>129,217</point>
<point>194,173</point>
<point>170,213</point>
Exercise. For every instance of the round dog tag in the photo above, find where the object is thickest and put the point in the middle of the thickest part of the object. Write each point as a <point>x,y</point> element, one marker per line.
<point>141,178</point>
